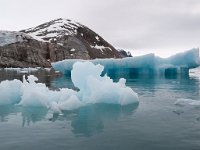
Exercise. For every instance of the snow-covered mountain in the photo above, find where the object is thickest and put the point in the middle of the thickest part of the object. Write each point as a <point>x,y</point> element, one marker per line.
<point>53,30</point>
<point>75,37</point>
<point>52,41</point>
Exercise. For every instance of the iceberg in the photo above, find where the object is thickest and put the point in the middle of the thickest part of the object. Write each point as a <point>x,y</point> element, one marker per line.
<point>141,65</point>
<point>97,89</point>
<point>93,88</point>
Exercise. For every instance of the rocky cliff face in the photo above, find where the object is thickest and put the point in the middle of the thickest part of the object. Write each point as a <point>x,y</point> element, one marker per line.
<point>20,50</point>
<point>74,38</point>
<point>52,41</point>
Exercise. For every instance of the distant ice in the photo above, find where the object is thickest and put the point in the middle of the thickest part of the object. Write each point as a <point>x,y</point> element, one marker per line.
<point>176,64</point>
<point>186,102</point>
<point>27,70</point>
<point>86,77</point>
<point>9,37</point>
<point>188,106</point>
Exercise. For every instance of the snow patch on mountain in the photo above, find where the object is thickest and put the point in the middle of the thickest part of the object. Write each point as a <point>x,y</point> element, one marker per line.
<point>101,48</point>
<point>54,29</point>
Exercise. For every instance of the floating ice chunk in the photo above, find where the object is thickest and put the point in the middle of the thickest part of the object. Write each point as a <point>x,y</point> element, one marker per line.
<point>34,99</point>
<point>185,102</point>
<point>55,107</point>
<point>23,70</point>
<point>93,88</point>
<point>97,89</point>
<point>34,94</point>
<point>32,79</point>
<point>189,59</point>
<point>10,92</point>
<point>47,69</point>
<point>81,72</point>
<point>147,64</point>
<point>72,103</point>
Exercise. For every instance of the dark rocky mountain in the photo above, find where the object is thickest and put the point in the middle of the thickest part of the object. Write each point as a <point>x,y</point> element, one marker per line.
<point>124,53</point>
<point>74,38</point>
<point>52,41</point>
<point>20,50</point>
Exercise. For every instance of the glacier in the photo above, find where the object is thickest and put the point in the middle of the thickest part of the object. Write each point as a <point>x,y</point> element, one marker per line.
<point>141,65</point>
<point>93,88</point>
<point>10,37</point>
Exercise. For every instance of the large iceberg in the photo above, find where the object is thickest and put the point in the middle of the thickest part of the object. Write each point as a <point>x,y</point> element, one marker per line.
<point>147,64</point>
<point>93,88</point>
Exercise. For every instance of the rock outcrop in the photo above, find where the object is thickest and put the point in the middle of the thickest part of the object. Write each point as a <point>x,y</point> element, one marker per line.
<point>124,53</point>
<point>20,50</point>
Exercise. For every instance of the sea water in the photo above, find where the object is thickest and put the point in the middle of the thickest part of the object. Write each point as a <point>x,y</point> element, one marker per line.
<point>156,123</point>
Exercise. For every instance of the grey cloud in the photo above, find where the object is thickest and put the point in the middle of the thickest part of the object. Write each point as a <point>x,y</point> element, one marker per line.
<point>131,24</point>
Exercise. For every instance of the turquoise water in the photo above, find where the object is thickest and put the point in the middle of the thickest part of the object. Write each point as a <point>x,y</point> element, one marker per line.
<point>155,124</point>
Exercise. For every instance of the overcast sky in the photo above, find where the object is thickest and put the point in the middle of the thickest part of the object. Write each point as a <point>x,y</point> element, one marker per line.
<point>144,25</point>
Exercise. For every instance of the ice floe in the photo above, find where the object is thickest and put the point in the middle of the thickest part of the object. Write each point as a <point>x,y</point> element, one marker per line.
<point>147,64</point>
<point>93,88</point>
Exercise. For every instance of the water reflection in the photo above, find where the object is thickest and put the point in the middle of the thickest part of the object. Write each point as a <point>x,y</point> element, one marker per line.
<point>29,114</point>
<point>44,76</point>
<point>62,82</point>
<point>5,111</point>
<point>85,121</point>
<point>32,115</point>
<point>91,119</point>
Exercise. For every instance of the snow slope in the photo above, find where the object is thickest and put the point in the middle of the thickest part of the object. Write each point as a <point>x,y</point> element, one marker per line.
<point>54,29</point>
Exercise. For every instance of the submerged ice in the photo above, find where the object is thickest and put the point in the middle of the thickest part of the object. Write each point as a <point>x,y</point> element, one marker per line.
<point>93,88</point>
<point>187,102</point>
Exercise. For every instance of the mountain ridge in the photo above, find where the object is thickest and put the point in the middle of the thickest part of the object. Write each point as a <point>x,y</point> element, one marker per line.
<point>52,41</point>
<point>59,30</point>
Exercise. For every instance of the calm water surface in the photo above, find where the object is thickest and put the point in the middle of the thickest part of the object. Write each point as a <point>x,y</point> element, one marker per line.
<point>155,124</point>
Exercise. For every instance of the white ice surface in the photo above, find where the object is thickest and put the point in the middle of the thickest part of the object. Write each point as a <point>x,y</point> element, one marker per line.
<point>86,76</point>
